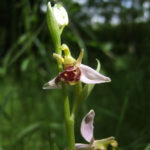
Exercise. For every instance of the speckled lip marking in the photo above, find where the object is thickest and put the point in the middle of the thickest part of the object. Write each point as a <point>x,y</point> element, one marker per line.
<point>71,75</point>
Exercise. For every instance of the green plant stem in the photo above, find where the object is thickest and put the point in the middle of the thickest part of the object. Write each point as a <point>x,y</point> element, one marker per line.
<point>76,102</point>
<point>57,46</point>
<point>69,121</point>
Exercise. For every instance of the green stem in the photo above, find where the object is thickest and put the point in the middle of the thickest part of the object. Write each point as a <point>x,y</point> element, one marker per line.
<point>76,102</point>
<point>69,121</point>
<point>56,38</point>
<point>57,46</point>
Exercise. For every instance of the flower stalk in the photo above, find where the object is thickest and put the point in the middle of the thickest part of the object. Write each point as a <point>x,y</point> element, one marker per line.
<point>55,33</point>
<point>69,120</point>
<point>77,92</point>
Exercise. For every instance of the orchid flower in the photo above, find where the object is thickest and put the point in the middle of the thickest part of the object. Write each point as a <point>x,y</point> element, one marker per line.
<point>74,71</point>
<point>87,133</point>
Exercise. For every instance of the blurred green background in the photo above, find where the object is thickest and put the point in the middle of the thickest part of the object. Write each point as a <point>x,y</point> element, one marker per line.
<point>117,32</point>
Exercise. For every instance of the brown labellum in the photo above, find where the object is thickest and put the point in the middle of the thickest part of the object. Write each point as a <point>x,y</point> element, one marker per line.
<point>70,75</point>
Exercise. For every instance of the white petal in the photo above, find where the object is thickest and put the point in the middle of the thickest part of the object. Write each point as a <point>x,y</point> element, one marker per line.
<point>87,126</point>
<point>80,146</point>
<point>91,76</point>
<point>51,85</point>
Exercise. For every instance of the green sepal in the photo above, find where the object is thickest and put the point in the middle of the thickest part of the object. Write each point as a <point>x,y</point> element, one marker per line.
<point>53,28</point>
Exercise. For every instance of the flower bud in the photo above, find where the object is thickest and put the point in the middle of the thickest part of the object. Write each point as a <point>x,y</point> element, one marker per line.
<point>60,14</point>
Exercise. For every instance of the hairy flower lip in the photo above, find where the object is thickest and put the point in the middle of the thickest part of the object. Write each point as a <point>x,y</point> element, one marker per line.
<point>70,75</point>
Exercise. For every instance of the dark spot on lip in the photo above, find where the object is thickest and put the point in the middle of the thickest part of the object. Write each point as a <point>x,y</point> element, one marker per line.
<point>88,119</point>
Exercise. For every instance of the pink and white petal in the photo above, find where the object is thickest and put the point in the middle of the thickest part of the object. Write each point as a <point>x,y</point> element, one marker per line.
<point>51,85</point>
<point>91,76</point>
<point>87,126</point>
<point>80,146</point>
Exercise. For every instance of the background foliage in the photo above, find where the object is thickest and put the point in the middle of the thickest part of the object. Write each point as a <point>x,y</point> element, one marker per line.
<point>115,32</point>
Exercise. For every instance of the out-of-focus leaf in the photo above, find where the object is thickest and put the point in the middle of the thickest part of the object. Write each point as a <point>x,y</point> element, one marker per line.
<point>25,64</point>
<point>80,42</point>
<point>8,56</point>
<point>1,148</point>
<point>31,38</point>
<point>27,131</point>
<point>55,147</point>
<point>147,147</point>
<point>121,63</point>
<point>22,38</point>
<point>2,71</point>
<point>94,44</point>
<point>106,47</point>
<point>5,101</point>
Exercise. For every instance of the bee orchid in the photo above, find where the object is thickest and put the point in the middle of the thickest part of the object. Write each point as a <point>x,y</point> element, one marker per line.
<point>87,129</point>
<point>74,71</point>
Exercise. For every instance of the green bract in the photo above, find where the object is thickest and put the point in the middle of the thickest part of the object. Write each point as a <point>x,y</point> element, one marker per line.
<point>53,27</point>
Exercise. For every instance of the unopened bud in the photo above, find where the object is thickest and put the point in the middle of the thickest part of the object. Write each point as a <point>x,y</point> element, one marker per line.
<point>61,15</point>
